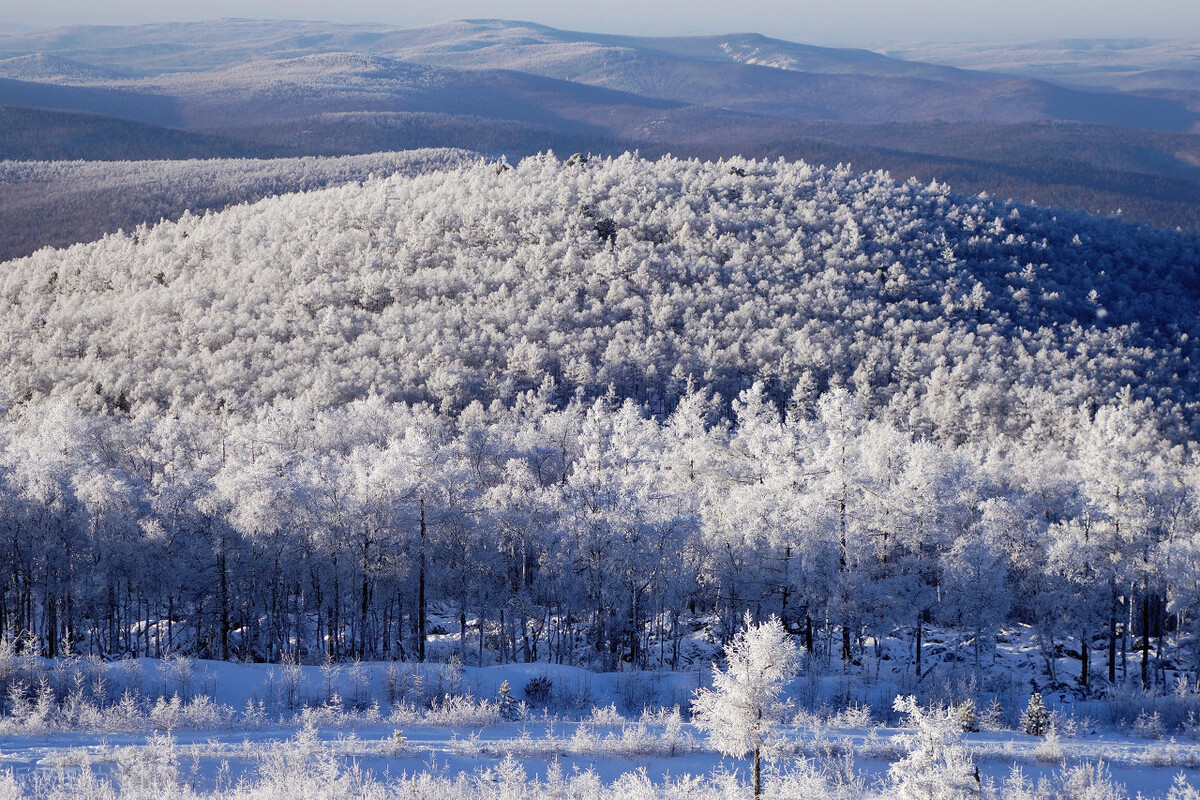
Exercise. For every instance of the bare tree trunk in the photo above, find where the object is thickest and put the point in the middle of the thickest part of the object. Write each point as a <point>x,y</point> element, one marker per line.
<point>1083,659</point>
<point>918,654</point>
<point>1112,638</point>
<point>422,621</point>
<point>51,626</point>
<point>224,579</point>
<point>1145,638</point>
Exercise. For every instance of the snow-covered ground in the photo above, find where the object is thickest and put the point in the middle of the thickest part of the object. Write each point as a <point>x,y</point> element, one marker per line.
<point>147,728</point>
<point>209,760</point>
<point>213,760</point>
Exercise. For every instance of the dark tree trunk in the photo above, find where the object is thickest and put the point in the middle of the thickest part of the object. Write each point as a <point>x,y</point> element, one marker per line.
<point>422,621</point>
<point>1145,639</point>
<point>51,627</point>
<point>757,772</point>
<point>224,578</point>
<point>1083,659</point>
<point>1112,639</point>
<point>918,655</point>
<point>363,609</point>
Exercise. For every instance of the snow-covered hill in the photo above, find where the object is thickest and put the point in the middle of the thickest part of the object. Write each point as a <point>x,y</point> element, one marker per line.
<point>476,283</point>
<point>582,410</point>
<point>55,69</point>
<point>61,202</point>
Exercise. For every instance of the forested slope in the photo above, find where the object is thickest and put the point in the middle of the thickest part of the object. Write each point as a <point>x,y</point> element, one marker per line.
<point>57,203</point>
<point>959,317</point>
<point>585,409</point>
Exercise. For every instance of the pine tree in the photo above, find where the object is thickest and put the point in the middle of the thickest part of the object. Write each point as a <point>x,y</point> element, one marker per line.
<point>968,719</point>
<point>1036,719</point>
<point>508,704</point>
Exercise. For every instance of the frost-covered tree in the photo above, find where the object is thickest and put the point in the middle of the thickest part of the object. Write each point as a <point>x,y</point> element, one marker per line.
<point>938,765</point>
<point>742,710</point>
<point>976,601</point>
<point>1114,452</point>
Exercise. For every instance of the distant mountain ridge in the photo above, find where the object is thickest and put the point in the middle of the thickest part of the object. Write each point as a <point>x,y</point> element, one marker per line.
<point>747,71</point>
<point>55,69</point>
<point>294,88</point>
<point>1060,58</point>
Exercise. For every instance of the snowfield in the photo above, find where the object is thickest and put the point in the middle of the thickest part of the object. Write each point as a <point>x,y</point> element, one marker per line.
<point>184,728</point>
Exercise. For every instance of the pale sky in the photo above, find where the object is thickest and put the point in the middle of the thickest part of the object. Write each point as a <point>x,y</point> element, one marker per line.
<point>818,21</point>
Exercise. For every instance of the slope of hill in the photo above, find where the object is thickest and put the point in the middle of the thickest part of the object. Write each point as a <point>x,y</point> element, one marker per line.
<point>1084,61</point>
<point>953,314</point>
<point>1102,170</point>
<point>279,91</point>
<point>539,48</point>
<point>753,72</point>
<point>31,134</point>
<point>63,202</point>
<point>137,105</point>
<point>56,69</point>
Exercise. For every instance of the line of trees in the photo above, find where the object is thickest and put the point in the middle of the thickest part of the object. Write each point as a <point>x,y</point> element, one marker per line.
<point>588,532</point>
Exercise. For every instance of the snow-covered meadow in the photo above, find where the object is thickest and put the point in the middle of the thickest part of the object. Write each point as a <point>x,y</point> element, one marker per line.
<point>180,727</point>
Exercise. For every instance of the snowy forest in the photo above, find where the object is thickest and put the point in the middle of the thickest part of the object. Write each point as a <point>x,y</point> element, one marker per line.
<point>576,410</point>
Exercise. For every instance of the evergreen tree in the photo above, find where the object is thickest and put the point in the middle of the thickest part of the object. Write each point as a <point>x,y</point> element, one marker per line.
<point>1036,719</point>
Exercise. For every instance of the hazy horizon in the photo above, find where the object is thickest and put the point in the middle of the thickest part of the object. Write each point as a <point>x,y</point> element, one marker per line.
<point>917,21</point>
